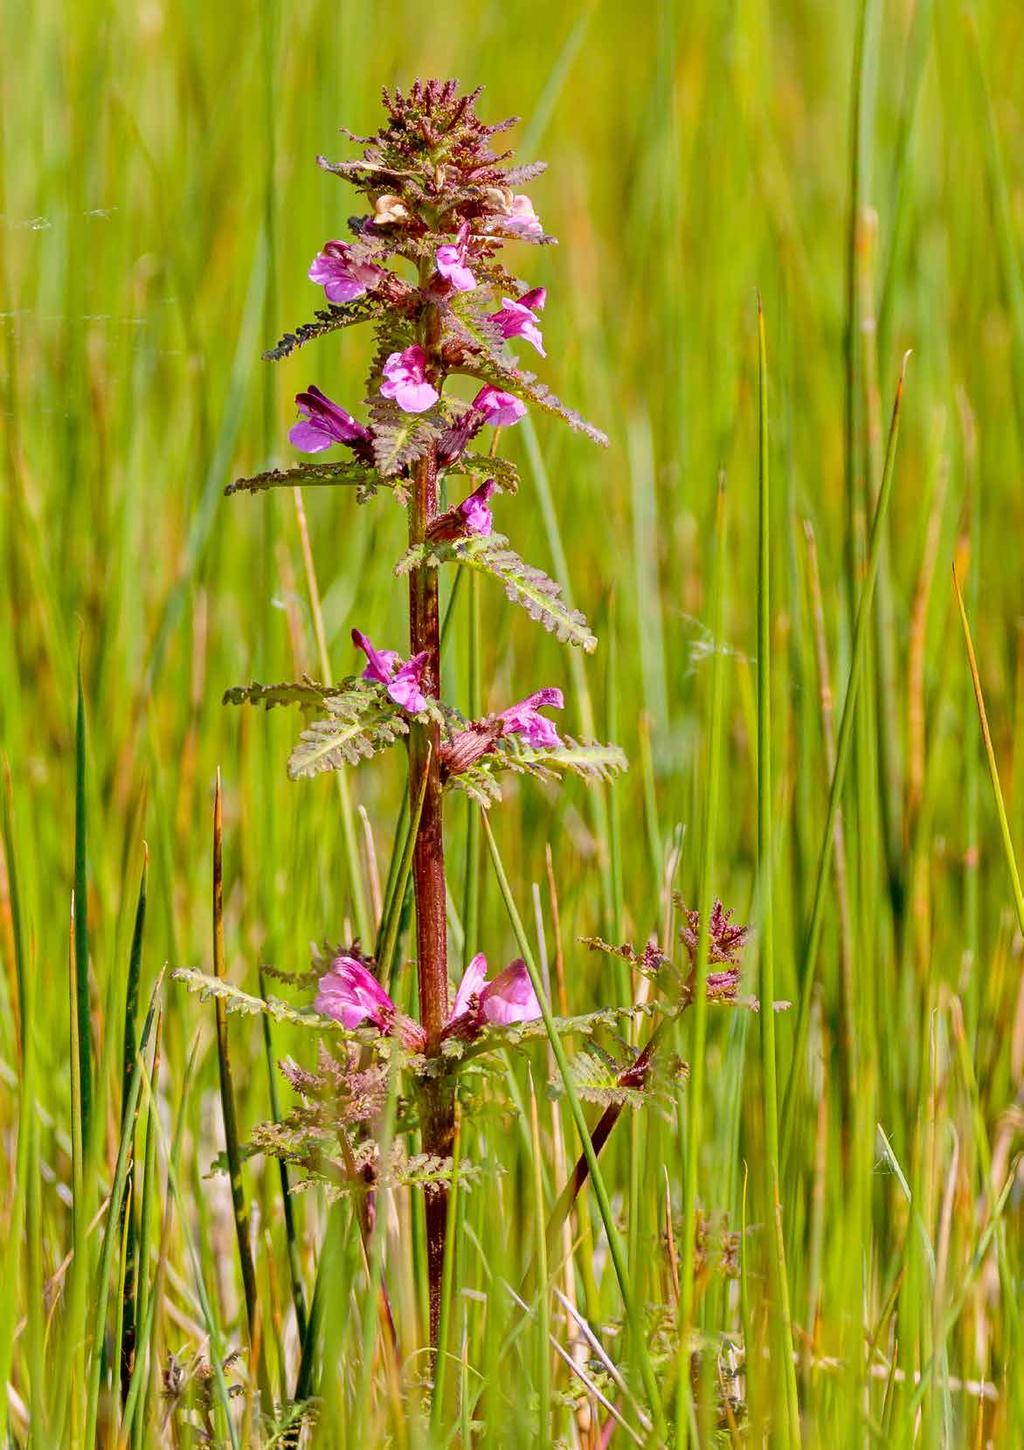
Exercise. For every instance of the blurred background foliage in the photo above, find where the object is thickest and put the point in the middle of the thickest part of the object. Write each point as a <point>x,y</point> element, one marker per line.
<point>159,206</point>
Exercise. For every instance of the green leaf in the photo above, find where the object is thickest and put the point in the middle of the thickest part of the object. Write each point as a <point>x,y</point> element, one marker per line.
<point>518,1033</point>
<point>399,438</point>
<point>351,473</point>
<point>328,319</point>
<point>482,465</point>
<point>502,372</point>
<point>310,694</point>
<point>235,1000</point>
<point>589,760</point>
<point>468,320</point>
<point>360,723</point>
<point>597,1078</point>
<point>524,584</point>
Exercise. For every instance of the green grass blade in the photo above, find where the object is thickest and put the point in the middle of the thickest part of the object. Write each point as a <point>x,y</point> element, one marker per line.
<point>1009,855</point>
<point>126,1339</point>
<point>812,937</point>
<point>84,1026</point>
<point>231,1137</point>
<point>112,1224</point>
<point>783,1335</point>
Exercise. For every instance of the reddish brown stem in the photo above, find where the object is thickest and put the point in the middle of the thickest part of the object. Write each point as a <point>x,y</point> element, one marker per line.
<point>428,875</point>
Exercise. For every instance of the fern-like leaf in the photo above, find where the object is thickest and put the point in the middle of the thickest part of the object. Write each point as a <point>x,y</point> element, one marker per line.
<point>524,584</point>
<point>482,1050</point>
<point>503,372</point>
<point>588,759</point>
<point>400,438</point>
<point>597,1078</point>
<point>329,319</point>
<point>359,723</point>
<point>305,692</point>
<point>351,473</point>
<point>235,1000</point>
<point>482,465</point>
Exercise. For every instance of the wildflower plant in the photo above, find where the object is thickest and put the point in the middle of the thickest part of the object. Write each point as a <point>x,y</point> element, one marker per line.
<point>424,267</point>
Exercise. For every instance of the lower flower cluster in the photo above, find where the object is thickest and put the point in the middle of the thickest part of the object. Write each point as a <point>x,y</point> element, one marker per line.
<point>351,994</point>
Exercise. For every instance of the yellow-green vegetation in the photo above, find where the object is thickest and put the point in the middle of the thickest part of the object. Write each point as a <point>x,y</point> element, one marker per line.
<point>801,1225</point>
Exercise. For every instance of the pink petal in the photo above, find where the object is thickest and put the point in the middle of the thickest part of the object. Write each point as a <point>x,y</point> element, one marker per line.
<point>414,397</point>
<point>342,278</point>
<point>522,219</point>
<point>404,686</point>
<point>499,409</point>
<point>343,289</point>
<point>524,720</point>
<point>405,380</point>
<point>382,662</point>
<point>510,997</point>
<point>452,266</point>
<point>539,733</point>
<point>352,995</point>
<point>476,516</point>
<point>549,695</point>
<point>472,983</point>
<point>309,438</point>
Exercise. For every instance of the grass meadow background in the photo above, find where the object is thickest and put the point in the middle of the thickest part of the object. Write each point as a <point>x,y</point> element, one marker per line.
<point>159,206</point>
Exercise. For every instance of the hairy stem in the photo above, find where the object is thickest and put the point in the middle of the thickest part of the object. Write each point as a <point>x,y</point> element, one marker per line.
<point>428,856</point>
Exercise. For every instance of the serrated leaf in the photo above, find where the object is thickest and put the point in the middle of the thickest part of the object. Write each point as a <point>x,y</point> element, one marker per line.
<point>502,372</point>
<point>359,724</point>
<point>399,438</point>
<point>238,1001</point>
<point>596,1077</point>
<point>588,759</point>
<point>584,1025</point>
<point>363,173</point>
<point>329,319</point>
<point>524,584</point>
<point>482,465</point>
<point>351,473</point>
<point>468,321</point>
<point>310,694</point>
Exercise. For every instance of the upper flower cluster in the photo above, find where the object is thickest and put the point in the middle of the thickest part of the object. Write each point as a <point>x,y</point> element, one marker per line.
<point>432,161</point>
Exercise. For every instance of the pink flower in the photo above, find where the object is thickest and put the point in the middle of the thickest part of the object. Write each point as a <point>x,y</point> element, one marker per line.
<point>521,218</point>
<point>323,424</point>
<point>500,409</point>
<point>519,319</point>
<point>509,998</point>
<point>405,380</point>
<point>465,747</point>
<point>471,516</point>
<point>352,995</point>
<point>342,277</point>
<point>474,512</point>
<point>401,679</point>
<point>451,262</point>
<point>525,720</point>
